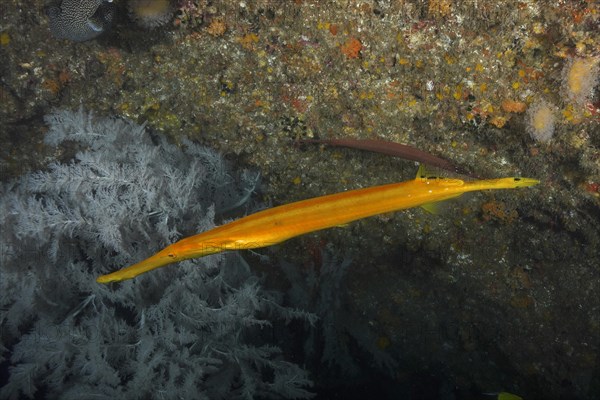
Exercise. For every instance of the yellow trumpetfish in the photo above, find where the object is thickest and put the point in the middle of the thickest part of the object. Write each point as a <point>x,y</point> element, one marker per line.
<point>275,225</point>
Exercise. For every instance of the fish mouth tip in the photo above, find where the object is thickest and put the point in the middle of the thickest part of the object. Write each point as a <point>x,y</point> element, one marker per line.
<point>529,182</point>
<point>524,182</point>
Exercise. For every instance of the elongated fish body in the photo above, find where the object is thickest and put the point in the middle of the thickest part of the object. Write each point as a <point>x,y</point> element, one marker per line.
<point>275,225</point>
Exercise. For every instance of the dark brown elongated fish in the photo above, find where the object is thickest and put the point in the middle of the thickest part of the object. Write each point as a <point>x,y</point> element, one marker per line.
<point>393,149</point>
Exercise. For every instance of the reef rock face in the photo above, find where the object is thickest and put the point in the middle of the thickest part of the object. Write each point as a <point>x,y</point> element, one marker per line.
<point>80,20</point>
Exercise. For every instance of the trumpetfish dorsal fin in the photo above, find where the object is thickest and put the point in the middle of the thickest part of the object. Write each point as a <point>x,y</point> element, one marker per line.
<point>425,173</point>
